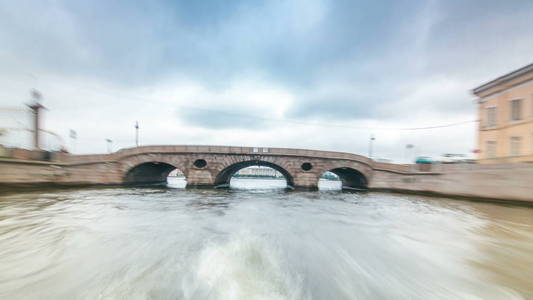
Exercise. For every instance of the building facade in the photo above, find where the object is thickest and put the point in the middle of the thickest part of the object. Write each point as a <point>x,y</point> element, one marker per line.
<point>506,118</point>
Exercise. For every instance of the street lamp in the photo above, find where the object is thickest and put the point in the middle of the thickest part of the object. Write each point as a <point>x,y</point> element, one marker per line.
<point>36,107</point>
<point>372,139</point>
<point>137,133</point>
<point>109,142</point>
<point>73,136</point>
<point>407,147</point>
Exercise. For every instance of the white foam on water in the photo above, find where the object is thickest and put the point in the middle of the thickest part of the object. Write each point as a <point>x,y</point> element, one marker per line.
<point>243,267</point>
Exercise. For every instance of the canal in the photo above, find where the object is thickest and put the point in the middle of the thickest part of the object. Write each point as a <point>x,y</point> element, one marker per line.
<point>260,243</point>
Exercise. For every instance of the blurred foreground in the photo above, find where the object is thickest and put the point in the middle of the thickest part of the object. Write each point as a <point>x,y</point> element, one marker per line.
<point>172,243</point>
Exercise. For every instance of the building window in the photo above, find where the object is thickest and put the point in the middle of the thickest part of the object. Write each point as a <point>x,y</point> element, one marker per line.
<point>516,110</point>
<point>515,145</point>
<point>490,117</point>
<point>491,149</point>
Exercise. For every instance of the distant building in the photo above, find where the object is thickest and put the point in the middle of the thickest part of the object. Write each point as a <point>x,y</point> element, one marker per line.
<point>506,118</point>
<point>258,172</point>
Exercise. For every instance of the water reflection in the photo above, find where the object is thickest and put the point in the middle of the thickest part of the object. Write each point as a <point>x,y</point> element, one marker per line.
<point>257,184</point>
<point>176,182</point>
<point>172,243</point>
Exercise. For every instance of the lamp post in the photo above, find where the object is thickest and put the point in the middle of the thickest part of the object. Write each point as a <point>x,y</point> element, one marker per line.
<point>370,142</point>
<point>73,135</point>
<point>407,147</point>
<point>109,142</point>
<point>137,133</point>
<point>36,107</point>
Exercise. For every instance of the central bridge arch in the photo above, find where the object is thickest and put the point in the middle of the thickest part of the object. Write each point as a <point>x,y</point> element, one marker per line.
<point>223,177</point>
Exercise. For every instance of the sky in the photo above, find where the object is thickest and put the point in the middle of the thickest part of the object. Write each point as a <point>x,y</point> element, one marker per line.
<point>309,74</point>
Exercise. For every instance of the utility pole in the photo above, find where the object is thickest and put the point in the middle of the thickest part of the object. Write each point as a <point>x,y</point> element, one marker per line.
<point>370,142</point>
<point>36,107</point>
<point>137,133</point>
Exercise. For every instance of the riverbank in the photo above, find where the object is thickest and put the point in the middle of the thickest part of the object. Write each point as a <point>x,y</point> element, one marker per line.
<point>496,182</point>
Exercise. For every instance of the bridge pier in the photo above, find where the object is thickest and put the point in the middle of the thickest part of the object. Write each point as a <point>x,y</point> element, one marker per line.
<point>200,178</point>
<point>306,181</point>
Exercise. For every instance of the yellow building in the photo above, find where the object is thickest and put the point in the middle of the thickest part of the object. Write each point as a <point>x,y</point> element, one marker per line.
<point>506,118</point>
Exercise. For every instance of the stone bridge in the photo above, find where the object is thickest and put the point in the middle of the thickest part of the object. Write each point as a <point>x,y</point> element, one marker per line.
<point>213,166</point>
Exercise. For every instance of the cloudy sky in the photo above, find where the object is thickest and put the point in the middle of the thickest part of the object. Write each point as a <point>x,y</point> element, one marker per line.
<point>303,74</point>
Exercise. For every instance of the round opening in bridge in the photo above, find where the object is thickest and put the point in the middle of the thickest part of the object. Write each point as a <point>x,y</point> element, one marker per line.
<point>306,166</point>
<point>200,163</point>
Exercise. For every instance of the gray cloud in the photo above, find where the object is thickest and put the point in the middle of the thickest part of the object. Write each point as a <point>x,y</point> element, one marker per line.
<point>335,108</point>
<point>337,61</point>
<point>224,119</point>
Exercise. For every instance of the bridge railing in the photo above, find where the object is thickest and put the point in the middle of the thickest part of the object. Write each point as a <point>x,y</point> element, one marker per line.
<point>68,158</point>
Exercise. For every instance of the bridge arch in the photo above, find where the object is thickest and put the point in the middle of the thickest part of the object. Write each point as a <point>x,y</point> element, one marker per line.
<point>148,173</point>
<point>352,174</point>
<point>150,168</point>
<point>152,172</point>
<point>351,178</point>
<point>224,176</point>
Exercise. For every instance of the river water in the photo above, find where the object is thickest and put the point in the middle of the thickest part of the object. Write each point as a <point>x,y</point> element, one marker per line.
<point>250,243</point>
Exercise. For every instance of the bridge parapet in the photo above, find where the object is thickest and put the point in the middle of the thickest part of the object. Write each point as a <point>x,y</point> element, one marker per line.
<point>392,167</point>
<point>214,150</point>
<point>243,150</point>
<point>86,158</point>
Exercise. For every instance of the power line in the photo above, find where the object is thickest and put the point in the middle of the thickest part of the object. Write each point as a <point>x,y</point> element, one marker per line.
<point>293,121</point>
<point>318,124</point>
<point>441,126</point>
<point>326,124</point>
